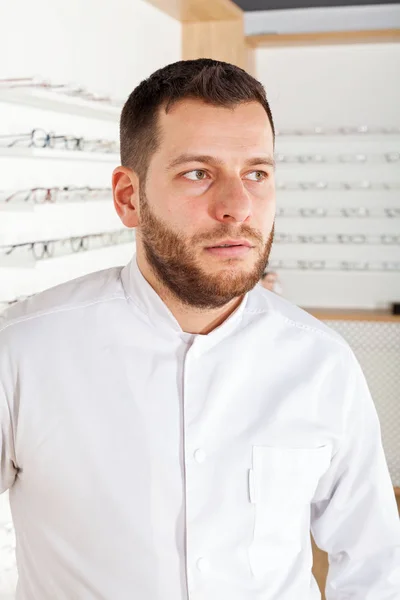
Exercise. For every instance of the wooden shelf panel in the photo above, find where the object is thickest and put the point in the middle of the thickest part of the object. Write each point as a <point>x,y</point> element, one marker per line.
<point>324,38</point>
<point>352,315</point>
<point>192,11</point>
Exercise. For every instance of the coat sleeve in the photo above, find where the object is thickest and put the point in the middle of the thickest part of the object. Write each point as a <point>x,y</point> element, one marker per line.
<point>356,522</point>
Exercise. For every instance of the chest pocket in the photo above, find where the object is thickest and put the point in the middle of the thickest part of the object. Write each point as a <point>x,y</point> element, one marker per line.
<point>282,484</point>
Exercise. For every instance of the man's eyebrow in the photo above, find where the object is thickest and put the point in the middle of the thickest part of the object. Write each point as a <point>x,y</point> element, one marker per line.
<point>260,160</point>
<point>186,158</point>
<point>212,160</point>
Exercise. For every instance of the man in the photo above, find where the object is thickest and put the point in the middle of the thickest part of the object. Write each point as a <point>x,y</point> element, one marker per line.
<point>270,281</point>
<point>170,430</point>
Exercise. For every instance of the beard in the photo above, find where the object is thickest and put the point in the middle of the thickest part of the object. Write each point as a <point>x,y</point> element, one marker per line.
<point>172,258</point>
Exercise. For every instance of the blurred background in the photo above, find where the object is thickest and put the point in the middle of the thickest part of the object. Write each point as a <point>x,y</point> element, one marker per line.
<point>332,75</point>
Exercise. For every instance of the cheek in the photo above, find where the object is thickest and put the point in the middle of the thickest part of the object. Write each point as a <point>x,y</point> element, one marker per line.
<point>164,204</point>
<point>264,213</point>
<point>182,211</point>
<point>180,215</point>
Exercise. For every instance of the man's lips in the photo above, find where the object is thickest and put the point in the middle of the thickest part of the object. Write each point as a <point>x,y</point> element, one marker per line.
<point>230,249</point>
<point>231,243</point>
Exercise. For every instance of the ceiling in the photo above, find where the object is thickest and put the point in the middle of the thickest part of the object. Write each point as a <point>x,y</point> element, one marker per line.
<point>249,5</point>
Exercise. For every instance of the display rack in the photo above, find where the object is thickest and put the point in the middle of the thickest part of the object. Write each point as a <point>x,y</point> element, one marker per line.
<point>66,101</point>
<point>57,102</point>
<point>327,181</point>
<point>51,154</point>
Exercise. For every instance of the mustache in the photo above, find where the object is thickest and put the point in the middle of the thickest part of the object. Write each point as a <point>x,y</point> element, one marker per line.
<point>227,231</point>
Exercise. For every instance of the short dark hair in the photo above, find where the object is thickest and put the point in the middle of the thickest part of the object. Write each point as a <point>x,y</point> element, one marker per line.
<point>212,81</point>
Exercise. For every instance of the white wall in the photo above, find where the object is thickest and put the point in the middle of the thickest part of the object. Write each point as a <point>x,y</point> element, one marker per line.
<point>332,85</point>
<point>329,87</point>
<point>107,46</point>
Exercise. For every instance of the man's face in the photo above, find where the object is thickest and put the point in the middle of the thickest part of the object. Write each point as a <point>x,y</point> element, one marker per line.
<point>209,184</point>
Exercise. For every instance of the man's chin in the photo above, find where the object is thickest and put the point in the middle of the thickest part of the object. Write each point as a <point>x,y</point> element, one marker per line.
<point>231,281</point>
<point>213,264</point>
<point>242,279</point>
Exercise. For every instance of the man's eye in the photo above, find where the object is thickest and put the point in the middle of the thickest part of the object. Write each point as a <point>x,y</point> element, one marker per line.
<point>256,176</point>
<point>196,175</point>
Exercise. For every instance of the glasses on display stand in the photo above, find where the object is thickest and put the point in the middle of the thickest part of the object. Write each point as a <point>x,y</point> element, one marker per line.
<point>348,213</point>
<point>334,131</point>
<point>81,155</point>
<point>385,239</point>
<point>315,159</point>
<point>39,138</point>
<point>40,250</point>
<point>338,185</point>
<point>72,90</point>
<point>43,195</point>
<point>342,265</point>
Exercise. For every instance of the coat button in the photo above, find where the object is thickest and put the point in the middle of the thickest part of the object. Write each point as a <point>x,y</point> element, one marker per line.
<point>199,455</point>
<point>203,565</point>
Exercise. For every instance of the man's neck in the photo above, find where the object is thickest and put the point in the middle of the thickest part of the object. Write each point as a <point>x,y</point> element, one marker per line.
<point>190,319</point>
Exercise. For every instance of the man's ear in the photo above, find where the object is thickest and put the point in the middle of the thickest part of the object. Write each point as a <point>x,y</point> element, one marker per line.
<point>125,185</point>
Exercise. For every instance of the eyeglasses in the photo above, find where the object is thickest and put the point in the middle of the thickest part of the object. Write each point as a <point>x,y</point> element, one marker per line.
<point>56,194</point>
<point>39,138</point>
<point>283,238</point>
<point>67,89</point>
<point>388,157</point>
<point>336,185</point>
<point>325,265</point>
<point>322,131</point>
<point>53,248</point>
<point>317,213</point>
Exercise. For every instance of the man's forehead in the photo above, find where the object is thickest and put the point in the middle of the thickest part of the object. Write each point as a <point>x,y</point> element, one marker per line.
<point>193,113</point>
<point>192,126</point>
